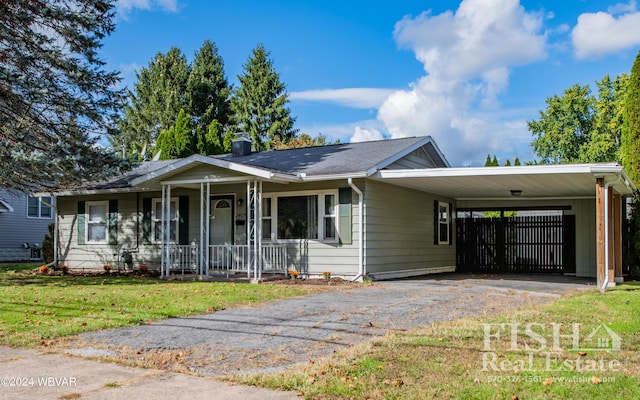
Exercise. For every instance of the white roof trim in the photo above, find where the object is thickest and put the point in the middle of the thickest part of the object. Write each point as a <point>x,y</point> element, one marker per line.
<point>5,207</point>
<point>216,162</point>
<point>611,171</point>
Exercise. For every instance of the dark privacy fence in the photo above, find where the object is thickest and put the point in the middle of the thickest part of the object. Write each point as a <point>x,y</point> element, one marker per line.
<point>533,244</point>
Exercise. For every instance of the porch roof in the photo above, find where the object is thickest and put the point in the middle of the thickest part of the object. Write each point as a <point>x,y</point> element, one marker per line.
<point>493,183</point>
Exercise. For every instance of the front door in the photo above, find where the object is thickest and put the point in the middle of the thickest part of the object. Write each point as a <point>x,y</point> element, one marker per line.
<point>221,232</point>
<point>221,224</point>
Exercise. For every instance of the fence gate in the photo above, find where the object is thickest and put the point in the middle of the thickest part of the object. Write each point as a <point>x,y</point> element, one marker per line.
<point>533,244</point>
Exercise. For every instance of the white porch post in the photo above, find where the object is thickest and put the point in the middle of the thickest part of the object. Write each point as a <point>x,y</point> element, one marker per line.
<point>162,260</point>
<point>207,227</point>
<point>201,258</point>
<point>258,211</point>
<point>167,228</point>
<point>249,223</point>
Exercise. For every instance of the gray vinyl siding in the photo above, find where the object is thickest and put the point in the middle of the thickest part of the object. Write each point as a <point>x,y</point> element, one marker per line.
<point>585,212</point>
<point>16,227</point>
<point>400,231</point>
<point>415,160</point>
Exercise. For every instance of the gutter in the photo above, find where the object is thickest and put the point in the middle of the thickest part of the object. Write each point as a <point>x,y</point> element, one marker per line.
<point>361,267</point>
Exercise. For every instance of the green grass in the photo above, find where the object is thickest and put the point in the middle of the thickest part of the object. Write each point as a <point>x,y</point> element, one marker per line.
<point>35,309</point>
<point>445,361</point>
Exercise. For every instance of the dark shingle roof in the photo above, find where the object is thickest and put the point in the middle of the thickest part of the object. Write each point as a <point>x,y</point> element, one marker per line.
<point>348,158</point>
<point>325,160</point>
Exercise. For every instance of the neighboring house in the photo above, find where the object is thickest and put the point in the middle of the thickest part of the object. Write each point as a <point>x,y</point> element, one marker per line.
<point>379,209</point>
<point>24,222</point>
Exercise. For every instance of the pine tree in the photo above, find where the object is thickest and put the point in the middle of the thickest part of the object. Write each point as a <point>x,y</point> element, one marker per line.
<point>207,97</point>
<point>516,162</point>
<point>507,163</point>
<point>488,161</point>
<point>494,162</point>
<point>630,148</point>
<point>154,104</point>
<point>56,97</point>
<point>178,140</point>
<point>259,104</point>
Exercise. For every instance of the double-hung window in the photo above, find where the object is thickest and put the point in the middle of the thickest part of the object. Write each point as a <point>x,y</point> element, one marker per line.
<point>96,221</point>
<point>158,223</point>
<point>443,219</point>
<point>300,216</point>
<point>39,207</point>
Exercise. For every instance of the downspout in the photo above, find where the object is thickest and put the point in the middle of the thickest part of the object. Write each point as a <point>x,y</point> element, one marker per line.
<point>361,267</point>
<point>606,231</point>
<point>55,232</point>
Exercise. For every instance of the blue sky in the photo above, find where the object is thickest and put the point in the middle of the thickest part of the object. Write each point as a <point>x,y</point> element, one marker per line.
<point>469,73</point>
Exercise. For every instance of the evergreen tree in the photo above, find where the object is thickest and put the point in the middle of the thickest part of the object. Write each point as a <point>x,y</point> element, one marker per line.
<point>507,163</point>
<point>56,97</point>
<point>516,162</point>
<point>178,140</point>
<point>259,104</point>
<point>207,96</point>
<point>494,162</point>
<point>630,149</point>
<point>488,161</point>
<point>154,104</point>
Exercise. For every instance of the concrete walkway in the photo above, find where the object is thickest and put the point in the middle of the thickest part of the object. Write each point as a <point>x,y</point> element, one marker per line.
<point>266,338</point>
<point>29,374</point>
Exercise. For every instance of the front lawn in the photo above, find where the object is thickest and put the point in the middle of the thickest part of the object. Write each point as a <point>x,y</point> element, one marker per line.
<point>35,309</point>
<point>468,359</point>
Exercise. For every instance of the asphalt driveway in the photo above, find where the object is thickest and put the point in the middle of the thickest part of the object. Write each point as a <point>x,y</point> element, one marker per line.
<point>282,333</point>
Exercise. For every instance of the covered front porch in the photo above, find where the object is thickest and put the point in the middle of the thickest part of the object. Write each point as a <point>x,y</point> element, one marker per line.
<point>224,220</point>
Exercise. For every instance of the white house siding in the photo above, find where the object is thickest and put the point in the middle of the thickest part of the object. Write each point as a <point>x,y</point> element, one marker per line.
<point>400,232</point>
<point>583,209</point>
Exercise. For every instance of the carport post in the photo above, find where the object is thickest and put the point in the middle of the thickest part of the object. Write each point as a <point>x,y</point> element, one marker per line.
<point>617,236</point>
<point>600,230</point>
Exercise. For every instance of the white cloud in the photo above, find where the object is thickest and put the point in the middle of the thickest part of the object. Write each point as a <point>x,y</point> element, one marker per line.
<point>601,33</point>
<point>123,7</point>
<point>350,97</point>
<point>365,135</point>
<point>467,56</point>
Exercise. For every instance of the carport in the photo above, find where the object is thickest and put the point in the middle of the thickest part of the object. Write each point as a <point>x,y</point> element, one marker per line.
<point>593,194</point>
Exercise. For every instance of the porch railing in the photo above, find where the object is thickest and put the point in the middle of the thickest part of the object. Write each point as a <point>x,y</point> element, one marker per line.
<point>226,258</point>
<point>229,258</point>
<point>183,258</point>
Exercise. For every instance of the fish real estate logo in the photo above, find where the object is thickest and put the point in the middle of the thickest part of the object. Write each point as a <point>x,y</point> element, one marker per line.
<point>551,347</point>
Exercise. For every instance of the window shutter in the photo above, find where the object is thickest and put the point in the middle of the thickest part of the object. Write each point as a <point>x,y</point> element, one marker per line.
<point>436,222</point>
<point>344,213</point>
<point>113,222</point>
<point>80,222</point>
<point>146,221</point>
<point>183,222</point>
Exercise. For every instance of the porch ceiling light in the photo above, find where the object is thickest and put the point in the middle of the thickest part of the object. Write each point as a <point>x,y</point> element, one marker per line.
<point>516,192</point>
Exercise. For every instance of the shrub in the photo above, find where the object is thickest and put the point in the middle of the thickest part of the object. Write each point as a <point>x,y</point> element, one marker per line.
<point>143,268</point>
<point>294,274</point>
<point>107,267</point>
<point>43,270</point>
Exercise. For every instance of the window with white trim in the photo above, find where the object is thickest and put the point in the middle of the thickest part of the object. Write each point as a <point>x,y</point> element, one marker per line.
<point>38,207</point>
<point>300,216</point>
<point>96,221</point>
<point>443,223</point>
<point>267,218</point>
<point>157,224</point>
